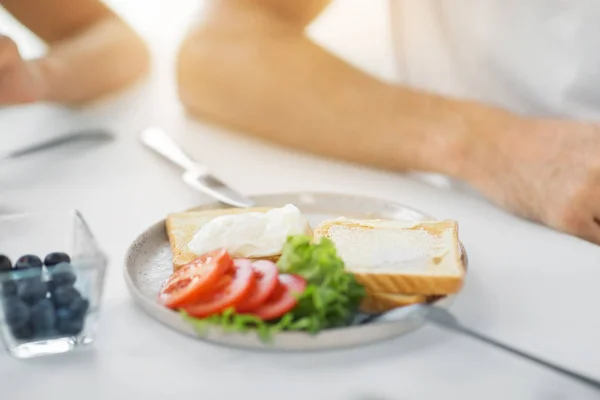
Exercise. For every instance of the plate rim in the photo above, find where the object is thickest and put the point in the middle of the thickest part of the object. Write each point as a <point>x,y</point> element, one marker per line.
<point>144,301</point>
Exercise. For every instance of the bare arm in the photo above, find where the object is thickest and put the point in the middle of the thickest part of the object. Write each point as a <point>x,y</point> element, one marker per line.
<point>91,51</point>
<point>251,66</point>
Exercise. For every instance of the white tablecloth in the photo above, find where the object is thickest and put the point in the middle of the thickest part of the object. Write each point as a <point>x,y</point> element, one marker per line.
<point>528,286</point>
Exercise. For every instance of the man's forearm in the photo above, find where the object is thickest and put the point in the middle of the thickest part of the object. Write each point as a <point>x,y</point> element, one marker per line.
<point>282,87</point>
<point>104,57</point>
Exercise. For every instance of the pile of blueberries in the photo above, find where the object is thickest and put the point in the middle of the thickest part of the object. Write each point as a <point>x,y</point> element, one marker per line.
<point>42,305</point>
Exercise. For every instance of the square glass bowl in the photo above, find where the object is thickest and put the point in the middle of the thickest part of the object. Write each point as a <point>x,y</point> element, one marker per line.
<point>42,311</point>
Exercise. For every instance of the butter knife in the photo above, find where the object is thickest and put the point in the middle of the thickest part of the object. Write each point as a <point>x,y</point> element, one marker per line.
<point>83,135</point>
<point>195,175</point>
<point>446,320</point>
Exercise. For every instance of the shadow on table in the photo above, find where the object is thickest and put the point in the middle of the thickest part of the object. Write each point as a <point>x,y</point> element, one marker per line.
<point>402,346</point>
<point>5,210</point>
<point>81,358</point>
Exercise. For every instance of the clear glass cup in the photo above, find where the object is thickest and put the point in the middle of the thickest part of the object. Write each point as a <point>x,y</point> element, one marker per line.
<point>69,318</point>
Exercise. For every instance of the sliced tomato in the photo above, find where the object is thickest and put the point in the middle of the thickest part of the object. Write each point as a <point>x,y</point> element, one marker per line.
<point>195,279</point>
<point>231,288</point>
<point>283,298</point>
<point>265,274</point>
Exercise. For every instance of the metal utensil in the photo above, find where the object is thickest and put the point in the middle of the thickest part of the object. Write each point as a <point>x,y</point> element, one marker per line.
<point>83,135</point>
<point>196,175</point>
<point>445,319</point>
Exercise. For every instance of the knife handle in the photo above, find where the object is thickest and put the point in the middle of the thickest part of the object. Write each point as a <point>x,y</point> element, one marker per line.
<point>158,140</point>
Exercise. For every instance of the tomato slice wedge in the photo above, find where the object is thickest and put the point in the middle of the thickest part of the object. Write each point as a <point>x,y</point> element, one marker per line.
<point>231,288</point>
<point>283,298</point>
<point>265,274</point>
<point>195,279</point>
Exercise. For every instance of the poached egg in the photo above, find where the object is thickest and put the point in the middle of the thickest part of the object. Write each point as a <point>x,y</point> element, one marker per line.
<point>250,235</point>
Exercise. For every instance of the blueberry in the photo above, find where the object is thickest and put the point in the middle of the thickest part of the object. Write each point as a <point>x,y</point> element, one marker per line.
<point>70,318</point>
<point>69,326</point>
<point>5,264</point>
<point>64,295</point>
<point>61,274</point>
<point>24,332</point>
<point>56,258</point>
<point>43,316</point>
<point>31,290</point>
<point>16,312</point>
<point>78,307</point>
<point>9,288</point>
<point>64,313</point>
<point>28,261</point>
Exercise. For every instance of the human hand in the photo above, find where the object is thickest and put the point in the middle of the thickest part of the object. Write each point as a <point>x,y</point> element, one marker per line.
<point>547,171</point>
<point>20,81</point>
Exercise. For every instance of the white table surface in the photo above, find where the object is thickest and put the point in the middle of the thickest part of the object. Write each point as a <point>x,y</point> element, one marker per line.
<point>528,286</point>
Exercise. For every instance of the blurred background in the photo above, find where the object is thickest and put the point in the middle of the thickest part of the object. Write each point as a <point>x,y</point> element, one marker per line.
<point>354,29</point>
<point>347,25</point>
<point>122,188</point>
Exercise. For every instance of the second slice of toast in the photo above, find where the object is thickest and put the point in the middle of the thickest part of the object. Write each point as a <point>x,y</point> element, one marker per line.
<point>398,257</point>
<point>381,302</point>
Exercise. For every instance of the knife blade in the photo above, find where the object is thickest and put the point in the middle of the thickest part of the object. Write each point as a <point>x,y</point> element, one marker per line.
<point>445,319</point>
<point>195,175</point>
<point>82,135</point>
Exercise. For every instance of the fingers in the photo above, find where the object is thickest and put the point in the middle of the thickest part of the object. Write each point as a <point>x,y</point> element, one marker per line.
<point>9,52</point>
<point>16,85</point>
<point>576,210</point>
<point>578,220</point>
<point>16,88</point>
<point>587,228</point>
<point>591,223</point>
<point>593,234</point>
<point>591,231</point>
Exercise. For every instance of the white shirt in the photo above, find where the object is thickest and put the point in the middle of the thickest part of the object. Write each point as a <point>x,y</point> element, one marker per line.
<point>538,57</point>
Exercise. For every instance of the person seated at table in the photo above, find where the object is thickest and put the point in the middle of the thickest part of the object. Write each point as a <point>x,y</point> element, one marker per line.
<point>90,52</point>
<point>250,65</point>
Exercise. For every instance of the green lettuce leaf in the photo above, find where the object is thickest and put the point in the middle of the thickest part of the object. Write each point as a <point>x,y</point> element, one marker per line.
<point>331,298</point>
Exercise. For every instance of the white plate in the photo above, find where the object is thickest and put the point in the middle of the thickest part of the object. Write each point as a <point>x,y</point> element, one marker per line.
<point>148,264</point>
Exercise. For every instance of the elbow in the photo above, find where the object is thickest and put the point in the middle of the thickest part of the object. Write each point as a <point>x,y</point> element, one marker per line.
<point>209,76</point>
<point>208,69</point>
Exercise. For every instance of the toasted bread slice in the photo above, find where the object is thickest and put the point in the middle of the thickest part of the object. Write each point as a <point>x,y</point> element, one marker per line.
<point>398,256</point>
<point>381,302</point>
<point>181,228</point>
